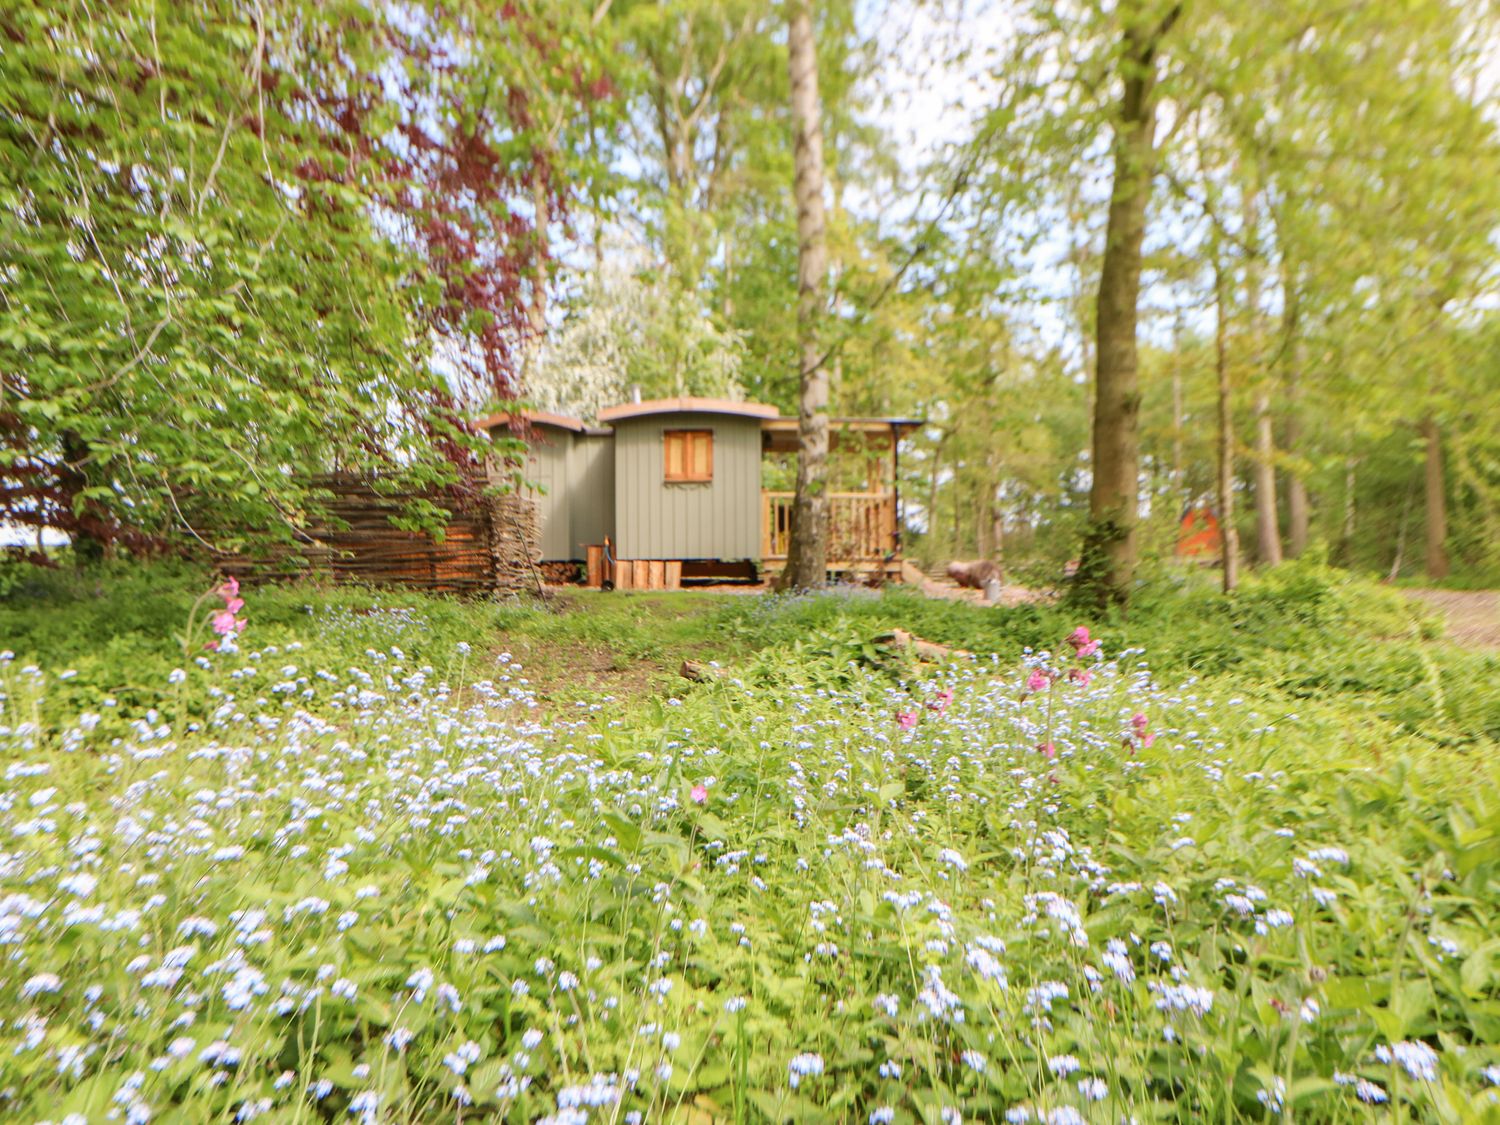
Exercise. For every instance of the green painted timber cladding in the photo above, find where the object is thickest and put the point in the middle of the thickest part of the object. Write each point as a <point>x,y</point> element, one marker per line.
<point>547,466</point>
<point>716,520</point>
<point>591,491</point>
<point>575,497</point>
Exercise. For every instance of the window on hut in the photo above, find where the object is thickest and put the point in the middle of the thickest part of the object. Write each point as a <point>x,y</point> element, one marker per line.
<point>688,455</point>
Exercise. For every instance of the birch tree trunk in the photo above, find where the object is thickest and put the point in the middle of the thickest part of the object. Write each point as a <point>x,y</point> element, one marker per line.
<point>1107,562</point>
<point>807,555</point>
<point>1436,501</point>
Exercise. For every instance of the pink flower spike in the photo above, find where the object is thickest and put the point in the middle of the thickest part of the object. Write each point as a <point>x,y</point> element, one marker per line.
<point>1079,637</point>
<point>1089,649</point>
<point>230,588</point>
<point>907,719</point>
<point>1080,676</point>
<point>699,794</point>
<point>1047,750</point>
<point>1148,740</point>
<point>225,623</point>
<point>234,605</point>
<point>1139,722</point>
<point>940,701</point>
<point>1037,680</point>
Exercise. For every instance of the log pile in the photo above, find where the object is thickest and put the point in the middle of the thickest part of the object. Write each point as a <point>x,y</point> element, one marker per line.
<point>488,546</point>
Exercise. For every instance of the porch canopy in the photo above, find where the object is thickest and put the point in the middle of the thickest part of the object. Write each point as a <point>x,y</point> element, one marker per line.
<point>779,435</point>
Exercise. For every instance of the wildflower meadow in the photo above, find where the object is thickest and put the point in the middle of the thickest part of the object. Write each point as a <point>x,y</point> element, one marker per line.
<point>377,876</point>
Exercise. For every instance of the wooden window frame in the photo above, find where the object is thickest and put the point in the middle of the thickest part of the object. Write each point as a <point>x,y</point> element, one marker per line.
<point>688,439</point>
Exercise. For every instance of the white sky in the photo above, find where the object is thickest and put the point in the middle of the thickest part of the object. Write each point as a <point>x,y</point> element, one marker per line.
<point>933,68</point>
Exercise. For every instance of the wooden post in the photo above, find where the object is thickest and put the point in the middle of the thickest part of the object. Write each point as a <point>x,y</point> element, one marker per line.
<point>624,574</point>
<point>658,574</point>
<point>595,566</point>
<point>674,574</point>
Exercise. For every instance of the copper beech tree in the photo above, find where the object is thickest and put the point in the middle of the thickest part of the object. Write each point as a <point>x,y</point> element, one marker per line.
<point>250,242</point>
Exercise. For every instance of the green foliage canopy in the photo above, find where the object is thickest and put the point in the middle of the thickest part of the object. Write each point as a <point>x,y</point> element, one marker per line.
<point>232,236</point>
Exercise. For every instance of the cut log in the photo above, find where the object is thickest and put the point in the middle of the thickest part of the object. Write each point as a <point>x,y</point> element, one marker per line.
<point>674,574</point>
<point>925,650</point>
<point>658,578</point>
<point>697,672</point>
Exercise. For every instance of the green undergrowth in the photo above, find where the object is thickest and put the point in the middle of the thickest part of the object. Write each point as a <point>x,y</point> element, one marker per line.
<point>1245,862</point>
<point>1300,634</point>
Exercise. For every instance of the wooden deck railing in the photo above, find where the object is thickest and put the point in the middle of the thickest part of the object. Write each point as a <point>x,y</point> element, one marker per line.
<point>861,525</point>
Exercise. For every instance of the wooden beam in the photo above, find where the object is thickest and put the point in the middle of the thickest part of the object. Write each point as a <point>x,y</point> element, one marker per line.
<point>674,574</point>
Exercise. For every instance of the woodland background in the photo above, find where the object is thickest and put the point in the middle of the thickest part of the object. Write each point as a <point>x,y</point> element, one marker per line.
<point>244,243</point>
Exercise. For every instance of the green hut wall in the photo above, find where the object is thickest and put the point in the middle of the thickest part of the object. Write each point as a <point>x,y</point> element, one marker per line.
<point>655,519</point>
<point>548,465</point>
<point>591,485</point>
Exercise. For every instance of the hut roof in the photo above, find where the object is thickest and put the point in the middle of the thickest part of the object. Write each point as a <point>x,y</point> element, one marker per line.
<point>536,418</point>
<point>685,406</point>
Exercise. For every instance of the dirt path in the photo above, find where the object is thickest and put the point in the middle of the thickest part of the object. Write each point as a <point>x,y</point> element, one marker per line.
<point>1009,595</point>
<point>1473,616</point>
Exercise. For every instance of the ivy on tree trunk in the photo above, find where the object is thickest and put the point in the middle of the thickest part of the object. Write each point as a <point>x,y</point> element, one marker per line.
<point>1107,566</point>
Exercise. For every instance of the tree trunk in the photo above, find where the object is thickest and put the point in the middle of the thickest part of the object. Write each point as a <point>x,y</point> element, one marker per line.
<point>1297,513</point>
<point>1292,351</point>
<point>997,533</point>
<point>1400,556</point>
<point>1267,528</point>
<point>1437,501</point>
<point>536,310</point>
<point>1178,477</point>
<point>1346,539</point>
<point>1229,536</point>
<point>984,525</point>
<point>807,556</point>
<point>932,491</point>
<point>1107,563</point>
<point>958,516</point>
<point>1267,523</point>
<point>536,305</point>
<point>73,476</point>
